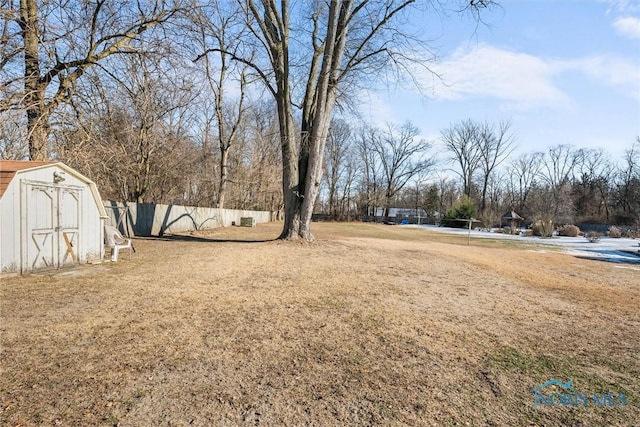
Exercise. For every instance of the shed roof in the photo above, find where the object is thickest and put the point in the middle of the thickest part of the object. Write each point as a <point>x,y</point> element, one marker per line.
<point>9,168</point>
<point>511,215</point>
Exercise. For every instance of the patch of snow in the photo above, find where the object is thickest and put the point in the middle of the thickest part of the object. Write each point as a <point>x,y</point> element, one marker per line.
<point>619,250</point>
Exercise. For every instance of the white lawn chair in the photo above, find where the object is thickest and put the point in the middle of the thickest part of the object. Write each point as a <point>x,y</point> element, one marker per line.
<point>116,241</point>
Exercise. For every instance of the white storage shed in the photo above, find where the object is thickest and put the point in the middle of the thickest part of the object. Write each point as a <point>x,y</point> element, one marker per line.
<point>50,216</point>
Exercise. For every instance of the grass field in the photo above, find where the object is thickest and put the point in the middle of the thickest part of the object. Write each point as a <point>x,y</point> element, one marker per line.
<point>370,325</point>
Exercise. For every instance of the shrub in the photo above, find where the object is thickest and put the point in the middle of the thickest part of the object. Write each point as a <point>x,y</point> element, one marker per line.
<point>592,236</point>
<point>543,228</point>
<point>569,230</point>
<point>464,209</point>
<point>615,232</point>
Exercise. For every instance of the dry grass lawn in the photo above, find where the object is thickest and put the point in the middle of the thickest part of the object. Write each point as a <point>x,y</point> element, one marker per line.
<point>371,325</point>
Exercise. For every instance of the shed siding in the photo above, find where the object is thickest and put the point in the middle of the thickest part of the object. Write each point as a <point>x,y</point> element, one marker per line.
<point>10,230</point>
<point>88,247</point>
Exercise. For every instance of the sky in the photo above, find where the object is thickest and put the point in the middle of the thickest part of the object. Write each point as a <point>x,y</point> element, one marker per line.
<point>562,72</point>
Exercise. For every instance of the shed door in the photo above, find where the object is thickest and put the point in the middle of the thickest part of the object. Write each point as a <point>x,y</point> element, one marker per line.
<point>68,225</point>
<point>52,232</point>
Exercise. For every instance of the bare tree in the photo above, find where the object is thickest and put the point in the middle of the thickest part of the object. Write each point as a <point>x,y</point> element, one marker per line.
<point>496,199</point>
<point>524,174</point>
<point>402,157</point>
<point>462,142</point>
<point>371,178</point>
<point>340,42</point>
<point>447,194</point>
<point>591,190</point>
<point>419,190</point>
<point>338,144</point>
<point>13,144</point>
<point>53,44</point>
<point>206,175</point>
<point>133,129</point>
<point>260,163</point>
<point>496,144</point>
<point>217,25</point>
<point>557,172</point>
<point>559,164</point>
<point>351,174</point>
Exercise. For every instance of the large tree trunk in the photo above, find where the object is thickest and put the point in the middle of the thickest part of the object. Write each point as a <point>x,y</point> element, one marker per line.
<point>483,201</point>
<point>315,125</point>
<point>38,131</point>
<point>333,203</point>
<point>224,175</point>
<point>141,181</point>
<point>37,116</point>
<point>290,173</point>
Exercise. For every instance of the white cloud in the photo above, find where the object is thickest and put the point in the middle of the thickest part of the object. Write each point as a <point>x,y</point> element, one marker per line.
<point>524,80</point>
<point>611,70</point>
<point>621,6</point>
<point>628,26</point>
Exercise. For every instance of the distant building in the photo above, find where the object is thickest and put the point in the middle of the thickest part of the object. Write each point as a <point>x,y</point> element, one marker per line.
<point>402,213</point>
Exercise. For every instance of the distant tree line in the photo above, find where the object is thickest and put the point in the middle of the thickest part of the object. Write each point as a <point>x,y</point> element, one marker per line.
<point>564,184</point>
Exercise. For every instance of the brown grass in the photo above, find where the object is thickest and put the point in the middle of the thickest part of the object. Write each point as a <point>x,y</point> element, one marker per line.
<point>370,325</point>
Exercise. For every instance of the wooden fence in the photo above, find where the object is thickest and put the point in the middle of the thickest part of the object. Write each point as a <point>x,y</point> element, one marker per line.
<point>148,219</point>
